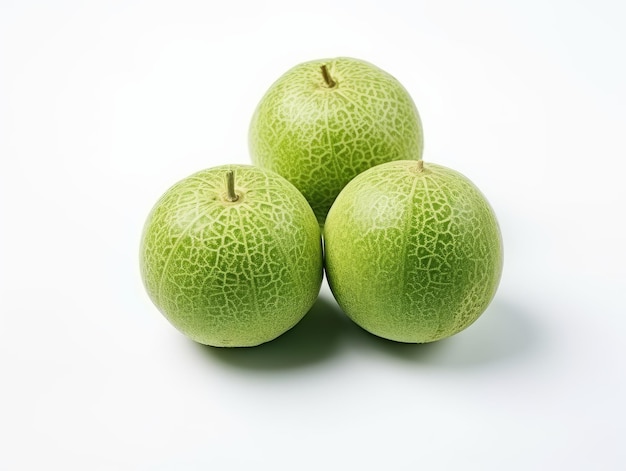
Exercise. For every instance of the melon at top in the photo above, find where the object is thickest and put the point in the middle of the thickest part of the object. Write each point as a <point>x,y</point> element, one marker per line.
<point>413,251</point>
<point>232,256</point>
<point>323,122</point>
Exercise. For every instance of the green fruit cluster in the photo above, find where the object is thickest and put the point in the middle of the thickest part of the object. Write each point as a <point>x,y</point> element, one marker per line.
<point>232,256</point>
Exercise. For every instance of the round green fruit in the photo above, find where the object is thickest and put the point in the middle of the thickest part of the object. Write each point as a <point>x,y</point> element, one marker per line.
<point>232,256</point>
<point>413,251</point>
<point>325,121</point>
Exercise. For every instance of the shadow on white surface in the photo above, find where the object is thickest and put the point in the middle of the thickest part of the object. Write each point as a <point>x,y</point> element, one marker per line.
<point>505,332</point>
<point>312,340</point>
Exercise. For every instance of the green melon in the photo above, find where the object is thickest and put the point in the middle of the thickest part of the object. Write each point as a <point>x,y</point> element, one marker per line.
<point>232,266</point>
<point>413,251</point>
<point>325,121</point>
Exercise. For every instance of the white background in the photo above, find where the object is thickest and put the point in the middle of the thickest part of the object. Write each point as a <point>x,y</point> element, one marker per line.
<point>105,104</point>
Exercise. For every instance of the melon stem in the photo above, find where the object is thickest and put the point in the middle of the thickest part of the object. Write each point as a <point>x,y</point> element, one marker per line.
<point>230,187</point>
<point>420,165</point>
<point>327,78</point>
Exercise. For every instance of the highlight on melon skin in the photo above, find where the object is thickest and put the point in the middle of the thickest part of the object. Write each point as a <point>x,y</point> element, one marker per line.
<point>413,251</point>
<point>325,121</point>
<point>232,256</point>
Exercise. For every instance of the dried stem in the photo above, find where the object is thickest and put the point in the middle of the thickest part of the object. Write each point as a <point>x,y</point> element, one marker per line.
<point>230,185</point>
<point>327,78</point>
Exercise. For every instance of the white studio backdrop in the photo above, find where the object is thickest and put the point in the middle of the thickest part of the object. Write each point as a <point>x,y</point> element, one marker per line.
<point>104,105</point>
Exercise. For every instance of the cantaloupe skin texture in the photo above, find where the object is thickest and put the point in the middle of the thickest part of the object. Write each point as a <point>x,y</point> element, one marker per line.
<point>232,274</point>
<point>413,251</point>
<point>320,136</point>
